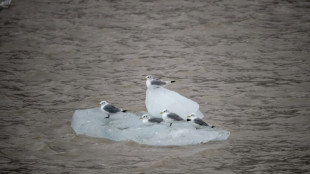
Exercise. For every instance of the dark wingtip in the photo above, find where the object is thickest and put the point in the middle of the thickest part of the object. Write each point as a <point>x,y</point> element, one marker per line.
<point>212,126</point>
<point>172,81</point>
<point>124,111</point>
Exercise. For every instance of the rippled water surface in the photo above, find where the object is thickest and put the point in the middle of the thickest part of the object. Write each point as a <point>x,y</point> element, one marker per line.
<point>245,62</point>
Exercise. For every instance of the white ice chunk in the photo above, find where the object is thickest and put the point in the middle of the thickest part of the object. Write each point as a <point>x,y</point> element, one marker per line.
<point>158,99</point>
<point>128,126</point>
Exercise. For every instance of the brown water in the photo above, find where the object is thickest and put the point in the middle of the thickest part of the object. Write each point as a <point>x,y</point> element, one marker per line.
<point>245,62</point>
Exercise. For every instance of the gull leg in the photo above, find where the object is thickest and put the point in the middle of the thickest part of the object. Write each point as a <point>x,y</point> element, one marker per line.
<point>108,116</point>
<point>170,124</point>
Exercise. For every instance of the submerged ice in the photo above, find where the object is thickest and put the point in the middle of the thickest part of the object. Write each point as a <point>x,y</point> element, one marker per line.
<point>129,126</point>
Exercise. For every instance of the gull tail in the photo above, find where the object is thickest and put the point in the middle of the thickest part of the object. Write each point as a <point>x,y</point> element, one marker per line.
<point>169,82</point>
<point>124,110</point>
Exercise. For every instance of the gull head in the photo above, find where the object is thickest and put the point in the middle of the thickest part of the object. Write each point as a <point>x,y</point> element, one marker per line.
<point>145,117</point>
<point>103,103</point>
<point>164,111</point>
<point>148,77</point>
<point>192,115</point>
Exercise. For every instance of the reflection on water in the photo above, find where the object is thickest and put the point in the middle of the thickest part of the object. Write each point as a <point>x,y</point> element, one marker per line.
<point>245,63</point>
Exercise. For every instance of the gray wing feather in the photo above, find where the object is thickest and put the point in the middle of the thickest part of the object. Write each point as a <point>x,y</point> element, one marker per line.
<point>158,82</point>
<point>111,109</point>
<point>156,120</point>
<point>174,117</point>
<point>200,122</point>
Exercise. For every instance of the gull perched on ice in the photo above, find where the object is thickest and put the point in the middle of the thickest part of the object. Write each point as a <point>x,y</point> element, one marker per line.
<point>4,3</point>
<point>170,117</point>
<point>109,109</point>
<point>147,120</point>
<point>197,122</point>
<point>156,83</point>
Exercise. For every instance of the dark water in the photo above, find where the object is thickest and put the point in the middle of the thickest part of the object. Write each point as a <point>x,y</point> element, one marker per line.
<point>245,62</point>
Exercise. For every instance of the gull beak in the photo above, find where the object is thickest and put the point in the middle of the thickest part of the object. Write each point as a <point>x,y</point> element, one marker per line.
<point>141,118</point>
<point>161,112</point>
<point>188,116</point>
<point>99,104</point>
<point>144,78</point>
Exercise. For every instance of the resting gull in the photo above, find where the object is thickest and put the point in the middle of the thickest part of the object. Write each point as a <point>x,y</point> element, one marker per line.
<point>147,120</point>
<point>109,109</point>
<point>197,122</point>
<point>156,83</point>
<point>170,117</point>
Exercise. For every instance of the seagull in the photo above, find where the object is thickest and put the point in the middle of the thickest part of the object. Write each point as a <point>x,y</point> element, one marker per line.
<point>170,117</point>
<point>197,122</point>
<point>147,120</point>
<point>5,3</point>
<point>156,83</point>
<point>109,109</point>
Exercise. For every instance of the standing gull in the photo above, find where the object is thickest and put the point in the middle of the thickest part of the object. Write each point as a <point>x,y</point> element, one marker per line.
<point>147,120</point>
<point>109,109</point>
<point>170,117</point>
<point>5,4</point>
<point>156,83</point>
<point>197,122</point>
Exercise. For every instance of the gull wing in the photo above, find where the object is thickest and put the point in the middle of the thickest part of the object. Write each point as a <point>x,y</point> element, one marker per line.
<point>158,82</point>
<point>111,109</point>
<point>174,117</point>
<point>156,120</point>
<point>200,122</point>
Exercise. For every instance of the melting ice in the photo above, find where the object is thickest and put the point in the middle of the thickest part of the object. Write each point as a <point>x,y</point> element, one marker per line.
<point>128,126</point>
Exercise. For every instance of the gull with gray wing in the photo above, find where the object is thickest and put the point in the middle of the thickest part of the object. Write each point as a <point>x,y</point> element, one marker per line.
<point>147,120</point>
<point>197,122</point>
<point>109,109</point>
<point>170,117</point>
<point>156,83</point>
